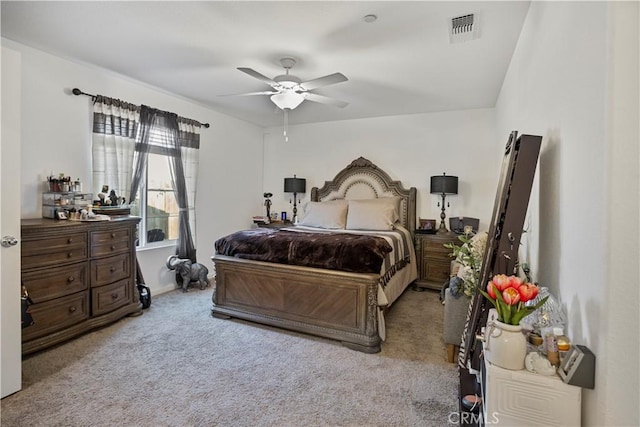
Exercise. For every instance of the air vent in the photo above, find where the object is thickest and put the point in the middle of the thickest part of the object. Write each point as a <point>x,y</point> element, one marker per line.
<point>463,28</point>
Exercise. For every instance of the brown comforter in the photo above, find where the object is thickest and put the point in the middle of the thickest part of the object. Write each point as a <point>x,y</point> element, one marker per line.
<point>336,251</point>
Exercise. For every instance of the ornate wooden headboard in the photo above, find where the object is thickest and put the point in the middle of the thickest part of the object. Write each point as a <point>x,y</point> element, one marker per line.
<point>364,180</point>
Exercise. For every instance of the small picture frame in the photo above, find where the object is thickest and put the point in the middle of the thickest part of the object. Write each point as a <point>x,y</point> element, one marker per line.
<point>61,215</point>
<point>427,224</point>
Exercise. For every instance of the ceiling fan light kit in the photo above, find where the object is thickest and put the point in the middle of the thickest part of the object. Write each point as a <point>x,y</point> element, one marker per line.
<point>287,100</point>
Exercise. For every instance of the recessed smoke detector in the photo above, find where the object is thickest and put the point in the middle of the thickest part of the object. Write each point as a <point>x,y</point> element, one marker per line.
<point>463,28</point>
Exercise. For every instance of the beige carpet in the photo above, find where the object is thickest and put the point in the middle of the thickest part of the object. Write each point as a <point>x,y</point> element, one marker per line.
<point>178,366</point>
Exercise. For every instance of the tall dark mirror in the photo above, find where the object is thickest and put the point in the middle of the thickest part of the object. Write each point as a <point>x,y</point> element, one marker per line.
<point>505,230</point>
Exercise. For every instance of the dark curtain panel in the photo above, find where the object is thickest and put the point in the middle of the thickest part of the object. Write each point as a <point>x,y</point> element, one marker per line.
<point>159,133</point>
<point>142,149</point>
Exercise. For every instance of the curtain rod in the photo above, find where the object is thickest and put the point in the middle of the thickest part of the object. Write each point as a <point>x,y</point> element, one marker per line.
<point>78,92</point>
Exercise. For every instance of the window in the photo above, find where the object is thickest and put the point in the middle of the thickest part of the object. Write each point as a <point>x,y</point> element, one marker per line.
<point>137,146</point>
<point>157,199</point>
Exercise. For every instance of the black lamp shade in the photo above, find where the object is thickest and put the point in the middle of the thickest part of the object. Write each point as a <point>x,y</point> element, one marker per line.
<point>444,184</point>
<point>295,185</point>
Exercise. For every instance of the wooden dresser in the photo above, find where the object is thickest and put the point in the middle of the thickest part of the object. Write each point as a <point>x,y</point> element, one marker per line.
<point>80,276</point>
<point>434,262</point>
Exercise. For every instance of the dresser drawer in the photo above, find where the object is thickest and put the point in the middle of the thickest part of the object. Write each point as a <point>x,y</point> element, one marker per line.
<point>107,298</point>
<point>108,270</point>
<point>54,315</point>
<point>54,250</point>
<point>56,282</point>
<point>110,242</point>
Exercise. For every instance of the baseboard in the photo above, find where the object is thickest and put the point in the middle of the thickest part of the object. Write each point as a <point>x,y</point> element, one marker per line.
<point>168,288</point>
<point>163,290</point>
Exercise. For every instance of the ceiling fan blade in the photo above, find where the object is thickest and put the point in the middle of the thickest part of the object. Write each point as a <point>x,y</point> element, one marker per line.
<point>257,75</point>
<point>324,99</point>
<point>268,92</point>
<point>327,80</point>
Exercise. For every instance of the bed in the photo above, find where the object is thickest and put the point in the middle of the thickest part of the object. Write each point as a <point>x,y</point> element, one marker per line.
<point>347,306</point>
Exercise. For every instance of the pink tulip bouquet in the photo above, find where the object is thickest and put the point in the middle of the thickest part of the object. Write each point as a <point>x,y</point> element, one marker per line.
<point>508,294</point>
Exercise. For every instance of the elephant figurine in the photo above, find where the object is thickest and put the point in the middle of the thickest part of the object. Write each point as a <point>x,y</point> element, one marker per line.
<point>189,271</point>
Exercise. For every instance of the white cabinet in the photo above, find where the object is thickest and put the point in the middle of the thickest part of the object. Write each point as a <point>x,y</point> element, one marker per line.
<point>522,398</point>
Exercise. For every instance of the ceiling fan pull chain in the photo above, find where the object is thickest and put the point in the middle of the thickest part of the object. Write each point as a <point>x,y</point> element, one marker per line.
<point>286,124</point>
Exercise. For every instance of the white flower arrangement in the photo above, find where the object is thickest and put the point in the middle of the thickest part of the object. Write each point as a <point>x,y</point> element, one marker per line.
<point>469,255</point>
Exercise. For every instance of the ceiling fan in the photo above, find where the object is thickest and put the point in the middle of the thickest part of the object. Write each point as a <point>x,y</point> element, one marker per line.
<point>290,91</point>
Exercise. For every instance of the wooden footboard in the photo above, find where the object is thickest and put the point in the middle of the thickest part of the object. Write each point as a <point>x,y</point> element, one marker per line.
<point>332,304</point>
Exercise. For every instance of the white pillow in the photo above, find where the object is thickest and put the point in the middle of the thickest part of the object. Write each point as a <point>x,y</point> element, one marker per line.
<point>331,214</point>
<point>373,214</point>
<point>394,202</point>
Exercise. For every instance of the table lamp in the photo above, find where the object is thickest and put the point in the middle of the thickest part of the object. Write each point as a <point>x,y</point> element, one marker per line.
<point>444,184</point>
<point>295,185</point>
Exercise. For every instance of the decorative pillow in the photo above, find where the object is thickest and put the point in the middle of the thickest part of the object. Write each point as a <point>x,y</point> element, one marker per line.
<point>373,214</point>
<point>332,214</point>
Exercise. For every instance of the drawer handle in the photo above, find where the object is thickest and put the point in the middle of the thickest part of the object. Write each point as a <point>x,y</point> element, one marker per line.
<point>71,279</point>
<point>72,309</point>
<point>113,235</point>
<point>113,248</point>
<point>112,269</point>
<point>70,254</point>
<point>70,240</point>
<point>114,295</point>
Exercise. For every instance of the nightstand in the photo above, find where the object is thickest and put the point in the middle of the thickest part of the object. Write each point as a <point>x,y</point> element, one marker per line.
<point>434,262</point>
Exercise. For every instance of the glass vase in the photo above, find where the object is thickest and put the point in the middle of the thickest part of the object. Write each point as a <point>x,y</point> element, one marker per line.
<point>550,314</point>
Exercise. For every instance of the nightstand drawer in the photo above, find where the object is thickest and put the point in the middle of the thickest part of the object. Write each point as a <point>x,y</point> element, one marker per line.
<point>436,271</point>
<point>436,246</point>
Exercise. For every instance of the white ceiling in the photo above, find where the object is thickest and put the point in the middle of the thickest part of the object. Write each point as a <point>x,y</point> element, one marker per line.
<point>402,63</point>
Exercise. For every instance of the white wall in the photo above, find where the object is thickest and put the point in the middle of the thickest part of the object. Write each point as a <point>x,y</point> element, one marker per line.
<point>559,85</point>
<point>56,137</point>
<point>623,215</point>
<point>409,148</point>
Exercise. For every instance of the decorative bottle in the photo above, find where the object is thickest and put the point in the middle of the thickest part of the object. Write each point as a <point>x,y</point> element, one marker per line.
<point>564,344</point>
<point>551,342</point>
